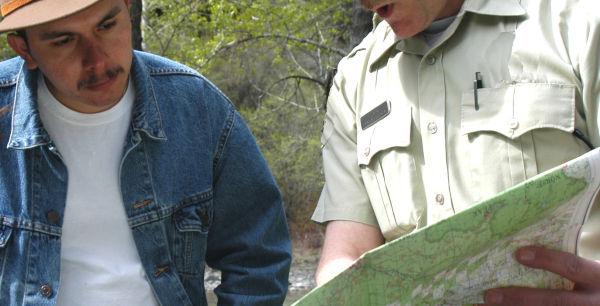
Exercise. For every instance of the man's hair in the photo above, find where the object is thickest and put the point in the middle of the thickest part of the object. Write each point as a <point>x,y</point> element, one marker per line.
<point>22,34</point>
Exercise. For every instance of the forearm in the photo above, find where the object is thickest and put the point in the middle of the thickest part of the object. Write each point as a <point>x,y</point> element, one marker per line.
<point>345,241</point>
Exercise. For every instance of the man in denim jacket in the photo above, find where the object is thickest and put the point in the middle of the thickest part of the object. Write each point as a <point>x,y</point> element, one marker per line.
<point>123,173</point>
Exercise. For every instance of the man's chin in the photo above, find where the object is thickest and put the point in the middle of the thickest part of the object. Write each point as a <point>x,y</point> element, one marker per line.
<point>97,108</point>
<point>94,105</point>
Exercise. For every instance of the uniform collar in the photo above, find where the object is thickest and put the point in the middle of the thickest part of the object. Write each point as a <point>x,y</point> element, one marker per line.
<point>494,7</point>
<point>387,42</point>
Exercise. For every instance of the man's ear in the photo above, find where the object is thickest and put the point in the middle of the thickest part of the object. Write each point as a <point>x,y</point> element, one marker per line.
<point>19,45</point>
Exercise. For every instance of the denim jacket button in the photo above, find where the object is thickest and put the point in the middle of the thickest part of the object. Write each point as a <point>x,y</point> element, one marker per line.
<point>46,290</point>
<point>52,216</point>
<point>160,271</point>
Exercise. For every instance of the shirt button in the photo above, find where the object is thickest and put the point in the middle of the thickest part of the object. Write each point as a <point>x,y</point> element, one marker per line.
<point>439,198</point>
<point>432,127</point>
<point>52,216</point>
<point>431,60</point>
<point>367,151</point>
<point>46,290</point>
<point>513,124</point>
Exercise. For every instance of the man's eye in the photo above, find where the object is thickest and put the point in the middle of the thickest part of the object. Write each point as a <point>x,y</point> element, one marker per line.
<point>107,25</point>
<point>63,41</point>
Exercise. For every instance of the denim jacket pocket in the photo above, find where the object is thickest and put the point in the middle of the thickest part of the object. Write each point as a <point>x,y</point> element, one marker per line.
<point>518,131</point>
<point>5,234</point>
<point>388,170</point>
<point>192,222</point>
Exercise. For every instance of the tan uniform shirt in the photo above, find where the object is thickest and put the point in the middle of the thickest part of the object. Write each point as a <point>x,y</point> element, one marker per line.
<point>435,153</point>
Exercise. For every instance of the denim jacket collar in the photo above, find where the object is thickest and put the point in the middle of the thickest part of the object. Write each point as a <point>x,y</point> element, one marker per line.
<point>146,114</point>
<point>28,132</point>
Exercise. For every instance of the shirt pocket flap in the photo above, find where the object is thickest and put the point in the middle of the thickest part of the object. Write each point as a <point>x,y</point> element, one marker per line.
<point>195,213</point>
<point>517,109</point>
<point>5,233</point>
<point>391,131</point>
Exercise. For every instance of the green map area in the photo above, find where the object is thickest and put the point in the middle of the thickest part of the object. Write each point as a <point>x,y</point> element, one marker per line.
<point>456,260</point>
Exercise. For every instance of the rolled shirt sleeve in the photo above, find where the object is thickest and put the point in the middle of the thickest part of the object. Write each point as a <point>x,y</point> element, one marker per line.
<point>344,196</point>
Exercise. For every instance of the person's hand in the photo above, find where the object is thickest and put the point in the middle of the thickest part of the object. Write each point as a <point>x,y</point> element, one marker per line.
<point>583,272</point>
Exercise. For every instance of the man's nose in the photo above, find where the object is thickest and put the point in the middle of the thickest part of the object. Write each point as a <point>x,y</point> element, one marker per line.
<point>94,57</point>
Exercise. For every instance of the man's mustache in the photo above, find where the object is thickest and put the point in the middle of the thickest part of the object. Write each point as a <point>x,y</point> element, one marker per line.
<point>93,79</point>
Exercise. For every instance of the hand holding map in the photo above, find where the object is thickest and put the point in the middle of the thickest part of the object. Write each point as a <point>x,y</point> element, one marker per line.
<point>583,272</point>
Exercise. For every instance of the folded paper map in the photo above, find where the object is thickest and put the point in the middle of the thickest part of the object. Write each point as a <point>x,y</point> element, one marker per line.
<point>454,261</point>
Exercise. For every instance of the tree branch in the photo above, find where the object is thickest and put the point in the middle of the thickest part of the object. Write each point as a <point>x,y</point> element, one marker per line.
<point>235,43</point>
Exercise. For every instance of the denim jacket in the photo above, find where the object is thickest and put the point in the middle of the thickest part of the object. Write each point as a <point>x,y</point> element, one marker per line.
<point>195,186</point>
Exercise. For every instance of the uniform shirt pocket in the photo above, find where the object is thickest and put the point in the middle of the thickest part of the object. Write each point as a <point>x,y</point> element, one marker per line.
<point>518,131</point>
<point>390,174</point>
<point>520,108</point>
<point>391,131</point>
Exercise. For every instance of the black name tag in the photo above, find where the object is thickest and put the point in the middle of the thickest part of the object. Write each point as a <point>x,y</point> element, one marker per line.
<point>375,115</point>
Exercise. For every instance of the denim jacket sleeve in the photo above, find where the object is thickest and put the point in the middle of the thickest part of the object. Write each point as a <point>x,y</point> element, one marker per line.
<point>207,168</point>
<point>231,198</point>
<point>249,240</point>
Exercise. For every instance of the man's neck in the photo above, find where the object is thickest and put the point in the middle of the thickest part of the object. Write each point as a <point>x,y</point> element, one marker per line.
<point>451,9</point>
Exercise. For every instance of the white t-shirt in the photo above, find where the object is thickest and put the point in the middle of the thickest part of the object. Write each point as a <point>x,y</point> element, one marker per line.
<point>99,261</point>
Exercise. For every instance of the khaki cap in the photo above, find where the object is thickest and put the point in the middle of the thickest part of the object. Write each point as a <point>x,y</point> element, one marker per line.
<point>20,14</point>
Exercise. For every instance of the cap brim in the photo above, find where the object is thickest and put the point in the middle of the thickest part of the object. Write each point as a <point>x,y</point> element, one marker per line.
<point>42,11</point>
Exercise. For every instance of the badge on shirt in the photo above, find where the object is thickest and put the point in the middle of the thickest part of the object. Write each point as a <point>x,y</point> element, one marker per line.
<point>376,114</point>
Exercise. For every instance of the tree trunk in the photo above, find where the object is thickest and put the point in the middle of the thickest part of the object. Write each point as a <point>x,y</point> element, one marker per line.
<point>360,25</point>
<point>135,11</point>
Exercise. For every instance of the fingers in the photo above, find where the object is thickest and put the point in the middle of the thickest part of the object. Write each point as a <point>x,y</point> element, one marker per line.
<point>584,272</point>
<point>530,296</point>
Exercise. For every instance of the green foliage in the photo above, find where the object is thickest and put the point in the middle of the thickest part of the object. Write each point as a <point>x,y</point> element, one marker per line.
<point>247,45</point>
<point>289,140</point>
<point>5,51</point>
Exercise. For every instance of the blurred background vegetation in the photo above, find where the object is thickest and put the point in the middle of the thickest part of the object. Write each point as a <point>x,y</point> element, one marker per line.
<point>274,59</point>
